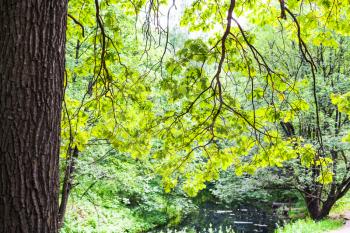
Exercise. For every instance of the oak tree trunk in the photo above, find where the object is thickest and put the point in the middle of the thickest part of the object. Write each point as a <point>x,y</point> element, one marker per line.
<point>32,50</point>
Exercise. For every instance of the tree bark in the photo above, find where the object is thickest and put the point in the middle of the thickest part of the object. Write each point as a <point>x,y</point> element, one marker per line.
<point>318,210</point>
<point>32,50</point>
<point>313,207</point>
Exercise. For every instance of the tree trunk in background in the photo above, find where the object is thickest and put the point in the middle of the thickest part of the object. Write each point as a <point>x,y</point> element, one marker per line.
<point>318,211</point>
<point>32,50</point>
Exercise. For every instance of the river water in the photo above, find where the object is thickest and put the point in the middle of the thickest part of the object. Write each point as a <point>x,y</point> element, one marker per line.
<point>212,218</point>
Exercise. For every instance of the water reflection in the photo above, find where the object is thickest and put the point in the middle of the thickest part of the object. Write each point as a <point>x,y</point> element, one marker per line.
<point>212,218</point>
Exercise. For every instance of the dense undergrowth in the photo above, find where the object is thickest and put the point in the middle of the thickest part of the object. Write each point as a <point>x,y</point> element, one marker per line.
<point>128,197</point>
<point>118,194</point>
<point>115,193</point>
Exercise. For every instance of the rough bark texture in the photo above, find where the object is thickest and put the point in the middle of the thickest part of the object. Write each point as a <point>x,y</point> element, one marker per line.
<point>32,47</point>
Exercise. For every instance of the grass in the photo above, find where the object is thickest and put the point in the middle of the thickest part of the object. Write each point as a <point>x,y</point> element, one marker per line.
<point>309,226</point>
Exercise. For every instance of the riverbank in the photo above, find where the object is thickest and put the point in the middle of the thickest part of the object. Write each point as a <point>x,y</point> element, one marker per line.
<point>337,222</point>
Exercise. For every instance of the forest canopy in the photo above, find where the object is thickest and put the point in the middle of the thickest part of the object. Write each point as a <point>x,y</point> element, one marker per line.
<point>246,88</point>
